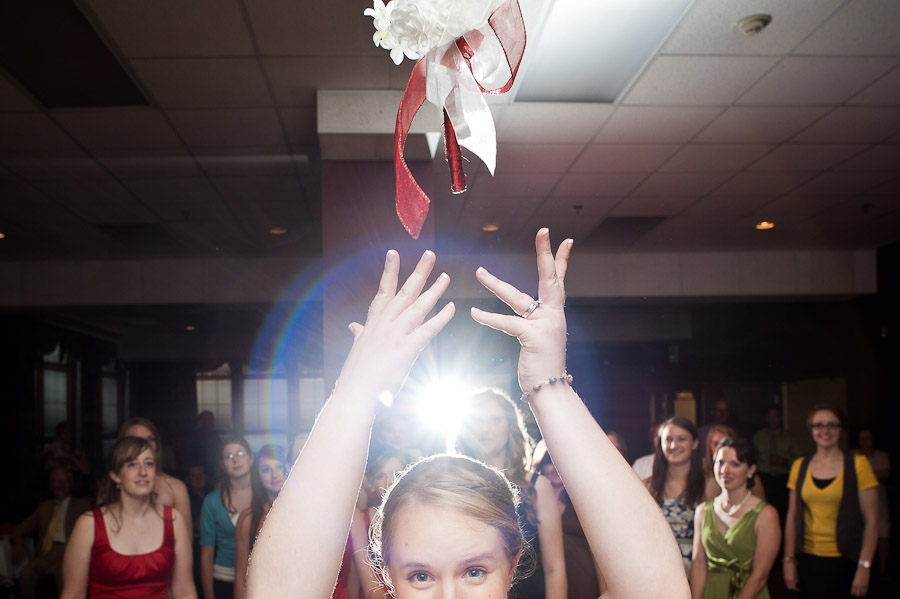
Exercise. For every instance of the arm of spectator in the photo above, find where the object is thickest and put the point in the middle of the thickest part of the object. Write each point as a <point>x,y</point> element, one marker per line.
<point>790,544</point>
<point>182,585</point>
<point>550,535</point>
<point>698,564</point>
<point>768,539</point>
<point>77,559</point>
<point>868,503</point>
<point>207,555</point>
<point>242,553</point>
<point>182,502</point>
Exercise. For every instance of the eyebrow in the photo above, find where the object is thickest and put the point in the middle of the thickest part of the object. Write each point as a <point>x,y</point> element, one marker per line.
<point>472,560</point>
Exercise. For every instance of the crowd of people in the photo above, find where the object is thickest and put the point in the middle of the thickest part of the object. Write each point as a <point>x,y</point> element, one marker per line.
<point>493,513</point>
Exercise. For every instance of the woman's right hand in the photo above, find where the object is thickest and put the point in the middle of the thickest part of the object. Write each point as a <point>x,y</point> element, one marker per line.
<point>385,348</point>
<point>790,576</point>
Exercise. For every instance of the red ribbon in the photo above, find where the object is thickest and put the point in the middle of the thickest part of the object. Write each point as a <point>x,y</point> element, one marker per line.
<point>412,202</point>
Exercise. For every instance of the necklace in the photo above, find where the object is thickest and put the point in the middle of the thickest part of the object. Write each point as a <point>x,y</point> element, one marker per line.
<point>734,508</point>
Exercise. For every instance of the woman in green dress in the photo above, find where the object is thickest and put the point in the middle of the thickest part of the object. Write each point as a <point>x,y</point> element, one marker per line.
<point>738,534</point>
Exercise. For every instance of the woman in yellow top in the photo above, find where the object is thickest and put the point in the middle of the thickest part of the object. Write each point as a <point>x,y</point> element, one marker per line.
<point>833,512</point>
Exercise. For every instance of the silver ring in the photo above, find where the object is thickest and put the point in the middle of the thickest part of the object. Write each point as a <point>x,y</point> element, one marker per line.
<point>534,306</point>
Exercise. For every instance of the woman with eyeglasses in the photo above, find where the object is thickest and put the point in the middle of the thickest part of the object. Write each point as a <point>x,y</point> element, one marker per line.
<point>831,528</point>
<point>219,515</point>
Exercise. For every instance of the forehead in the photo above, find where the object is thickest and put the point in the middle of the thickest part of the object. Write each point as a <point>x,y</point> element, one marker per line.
<point>728,454</point>
<point>233,448</point>
<point>824,416</point>
<point>138,430</point>
<point>673,430</point>
<point>440,538</point>
<point>269,461</point>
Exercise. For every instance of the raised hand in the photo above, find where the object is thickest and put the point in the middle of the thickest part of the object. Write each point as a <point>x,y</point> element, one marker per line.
<point>394,334</point>
<point>541,330</point>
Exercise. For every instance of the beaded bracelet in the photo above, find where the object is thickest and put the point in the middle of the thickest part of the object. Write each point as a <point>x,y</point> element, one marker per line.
<point>565,377</point>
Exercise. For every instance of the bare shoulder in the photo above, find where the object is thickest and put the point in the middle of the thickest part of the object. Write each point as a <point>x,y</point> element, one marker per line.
<point>648,483</point>
<point>244,519</point>
<point>701,509</point>
<point>177,485</point>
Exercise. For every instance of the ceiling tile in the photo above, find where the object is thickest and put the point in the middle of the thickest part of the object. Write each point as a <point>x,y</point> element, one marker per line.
<point>173,191</point>
<point>696,80</point>
<point>708,27</point>
<point>892,187</point>
<point>623,158</point>
<point>169,28</point>
<point>295,80</point>
<point>728,205</point>
<point>859,27</point>
<point>551,122</point>
<point>536,158</point>
<point>884,157</point>
<point>764,184</point>
<point>648,124</point>
<point>300,127</point>
<point>759,124</point>
<point>517,184</point>
<point>816,80</point>
<point>691,185</point>
<point>29,131</point>
<point>149,164</point>
<point>54,165</point>
<point>118,129</point>
<point>598,185</point>
<point>228,128</point>
<point>12,97</point>
<point>652,206</point>
<point>854,125</point>
<point>884,92</point>
<point>714,157</point>
<point>204,82</point>
<point>842,183</point>
<point>805,157</point>
<point>243,162</point>
<point>796,208</point>
<point>288,27</point>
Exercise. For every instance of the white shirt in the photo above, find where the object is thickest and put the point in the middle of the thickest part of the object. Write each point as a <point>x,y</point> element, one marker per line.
<point>643,466</point>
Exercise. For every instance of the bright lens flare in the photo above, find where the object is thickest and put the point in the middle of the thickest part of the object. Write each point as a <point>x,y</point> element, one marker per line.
<point>440,404</point>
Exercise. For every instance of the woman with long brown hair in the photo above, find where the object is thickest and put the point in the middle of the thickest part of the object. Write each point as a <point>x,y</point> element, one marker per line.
<point>678,483</point>
<point>271,467</point>
<point>493,430</point>
<point>131,546</point>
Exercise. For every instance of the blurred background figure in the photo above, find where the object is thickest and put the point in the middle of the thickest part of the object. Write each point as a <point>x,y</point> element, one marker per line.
<point>492,430</point>
<point>51,525</point>
<point>881,465</point>
<point>61,453</point>
<point>619,442</point>
<point>203,443</point>
<point>776,449</point>
<point>583,577</point>
<point>382,468</point>
<point>270,465</point>
<point>643,466</point>
<point>720,413</point>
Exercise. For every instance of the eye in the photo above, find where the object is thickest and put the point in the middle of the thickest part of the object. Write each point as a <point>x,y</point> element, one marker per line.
<point>475,573</point>
<point>419,578</point>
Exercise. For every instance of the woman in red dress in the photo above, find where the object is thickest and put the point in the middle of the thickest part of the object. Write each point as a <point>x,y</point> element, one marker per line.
<point>129,547</point>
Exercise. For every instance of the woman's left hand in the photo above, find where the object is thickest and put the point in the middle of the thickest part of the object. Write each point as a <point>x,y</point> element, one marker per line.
<point>542,332</point>
<point>860,585</point>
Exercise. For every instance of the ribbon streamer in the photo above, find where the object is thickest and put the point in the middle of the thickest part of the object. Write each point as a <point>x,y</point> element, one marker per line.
<point>451,77</point>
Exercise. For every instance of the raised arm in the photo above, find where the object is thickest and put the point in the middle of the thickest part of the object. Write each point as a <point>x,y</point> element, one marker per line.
<point>309,522</point>
<point>625,529</point>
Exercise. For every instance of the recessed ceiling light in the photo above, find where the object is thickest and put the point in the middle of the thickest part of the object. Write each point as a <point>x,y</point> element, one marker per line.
<point>765,225</point>
<point>2,235</point>
<point>277,231</point>
<point>753,24</point>
<point>490,228</point>
<point>190,327</point>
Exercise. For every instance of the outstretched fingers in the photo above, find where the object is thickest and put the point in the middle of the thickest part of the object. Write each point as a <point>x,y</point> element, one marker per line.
<point>387,287</point>
<point>509,324</point>
<point>413,286</point>
<point>550,280</point>
<point>505,292</point>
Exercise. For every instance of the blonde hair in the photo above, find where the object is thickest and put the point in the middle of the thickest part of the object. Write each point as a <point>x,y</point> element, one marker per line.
<point>456,483</point>
<point>709,450</point>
